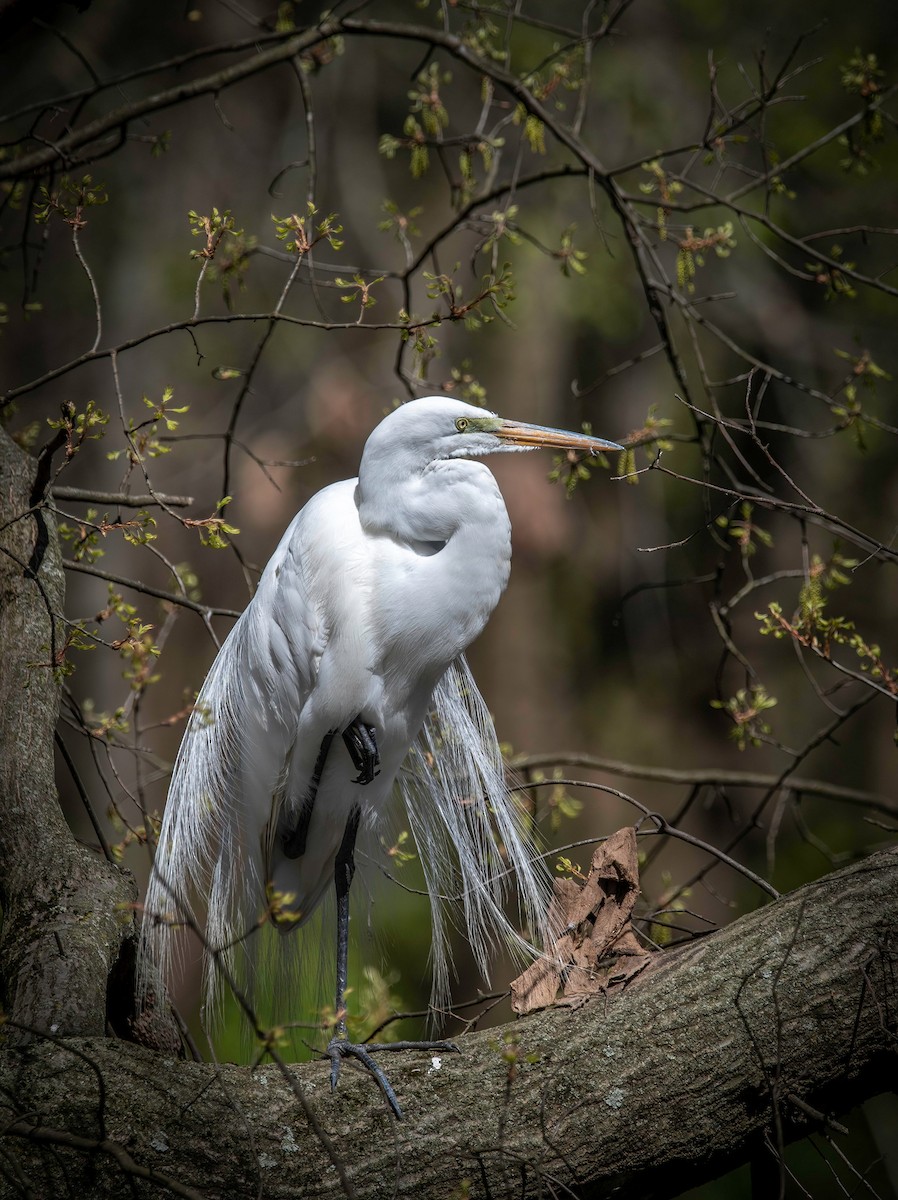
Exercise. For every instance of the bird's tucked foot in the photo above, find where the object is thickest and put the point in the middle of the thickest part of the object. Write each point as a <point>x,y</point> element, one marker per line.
<point>340,1047</point>
<point>362,746</point>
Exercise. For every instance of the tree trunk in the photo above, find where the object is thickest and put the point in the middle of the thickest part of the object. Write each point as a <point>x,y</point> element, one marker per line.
<point>742,1034</point>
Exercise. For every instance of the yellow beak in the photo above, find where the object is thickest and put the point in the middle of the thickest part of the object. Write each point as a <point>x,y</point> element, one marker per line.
<point>520,434</point>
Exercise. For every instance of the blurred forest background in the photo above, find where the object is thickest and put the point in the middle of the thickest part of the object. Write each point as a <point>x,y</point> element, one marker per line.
<point>714,285</point>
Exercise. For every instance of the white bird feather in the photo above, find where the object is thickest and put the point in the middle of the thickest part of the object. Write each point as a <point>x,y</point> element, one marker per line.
<point>364,611</point>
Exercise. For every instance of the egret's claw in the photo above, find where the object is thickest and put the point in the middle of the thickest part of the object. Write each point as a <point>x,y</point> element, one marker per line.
<point>340,1047</point>
<point>361,743</point>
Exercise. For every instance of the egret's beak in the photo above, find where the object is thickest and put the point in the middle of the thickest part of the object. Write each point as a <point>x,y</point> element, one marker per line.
<point>519,434</point>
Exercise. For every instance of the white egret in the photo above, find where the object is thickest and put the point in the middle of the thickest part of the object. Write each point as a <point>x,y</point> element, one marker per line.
<point>352,645</point>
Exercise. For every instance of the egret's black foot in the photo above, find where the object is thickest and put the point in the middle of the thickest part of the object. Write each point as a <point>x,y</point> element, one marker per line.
<point>362,746</point>
<point>340,1047</point>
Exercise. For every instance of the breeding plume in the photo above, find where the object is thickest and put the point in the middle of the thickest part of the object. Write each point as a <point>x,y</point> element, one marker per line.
<point>344,676</point>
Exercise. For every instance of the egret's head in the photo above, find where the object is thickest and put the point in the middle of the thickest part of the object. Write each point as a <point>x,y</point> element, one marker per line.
<point>440,427</point>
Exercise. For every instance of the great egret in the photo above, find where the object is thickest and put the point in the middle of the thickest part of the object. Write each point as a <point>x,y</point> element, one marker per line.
<point>352,645</point>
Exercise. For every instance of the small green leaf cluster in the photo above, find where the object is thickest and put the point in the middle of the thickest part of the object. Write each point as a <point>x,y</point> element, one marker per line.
<point>820,633</point>
<point>486,149</point>
<point>836,285</point>
<point>746,710</point>
<point>359,289</point>
<point>534,129</point>
<point>300,234</point>
<point>850,411</point>
<point>144,437</point>
<point>133,835</point>
<point>376,1005</point>
<point>573,467</point>
<point>691,249</point>
<point>650,437</point>
<point>568,869</point>
<point>427,101</point>
<point>213,228</point>
<point>484,37</point>
<point>426,120</point>
<point>497,287</point>
<point>666,187</point>
<point>76,638</point>
<point>322,53</point>
<point>139,531</point>
<point>862,75</point>
<point>562,806</point>
<point>510,1053</point>
<point>284,21</point>
<point>136,647</point>
<point>159,143</point>
<point>80,427</point>
<point>101,725</point>
<point>401,852</point>
<point>572,259</point>
<point>812,628</point>
<point>465,384</point>
<point>69,200</point>
<point>424,345</point>
<point>501,225</point>
<point>563,73</point>
<point>214,531</point>
<point>400,223</point>
<point>744,531</point>
<point>85,540</point>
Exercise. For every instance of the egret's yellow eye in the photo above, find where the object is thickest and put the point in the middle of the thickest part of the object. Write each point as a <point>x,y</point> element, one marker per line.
<point>461,424</point>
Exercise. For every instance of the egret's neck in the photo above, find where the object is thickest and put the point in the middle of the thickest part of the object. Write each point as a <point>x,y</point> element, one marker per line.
<point>452,544</point>
<point>433,501</point>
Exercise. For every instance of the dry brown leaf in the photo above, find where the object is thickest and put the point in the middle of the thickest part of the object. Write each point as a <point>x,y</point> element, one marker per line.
<point>597,948</point>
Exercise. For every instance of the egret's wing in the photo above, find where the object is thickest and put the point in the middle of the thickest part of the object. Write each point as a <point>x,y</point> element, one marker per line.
<point>472,836</point>
<point>229,775</point>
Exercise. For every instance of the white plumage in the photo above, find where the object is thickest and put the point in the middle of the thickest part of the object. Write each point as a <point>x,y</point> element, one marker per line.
<point>359,624</point>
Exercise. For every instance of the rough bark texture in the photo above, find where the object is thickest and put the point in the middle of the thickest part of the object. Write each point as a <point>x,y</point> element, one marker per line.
<point>64,914</point>
<point>642,1093</point>
<point>668,1084</point>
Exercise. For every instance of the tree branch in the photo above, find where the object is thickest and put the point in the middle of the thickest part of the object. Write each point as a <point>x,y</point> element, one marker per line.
<point>789,1011</point>
<point>119,118</point>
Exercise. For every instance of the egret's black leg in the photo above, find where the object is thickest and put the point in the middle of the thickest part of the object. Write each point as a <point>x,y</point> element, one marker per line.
<point>362,746</point>
<point>295,839</point>
<point>340,1046</point>
<point>344,870</point>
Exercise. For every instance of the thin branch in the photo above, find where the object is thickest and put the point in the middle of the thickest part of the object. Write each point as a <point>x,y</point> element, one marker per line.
<point>120,499</point>
<point>204,610</point>
<point>705,777</point>
<point>62,1137</point>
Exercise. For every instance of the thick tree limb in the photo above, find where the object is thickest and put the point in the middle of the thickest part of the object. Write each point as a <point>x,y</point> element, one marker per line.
<point>789,1009</point>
